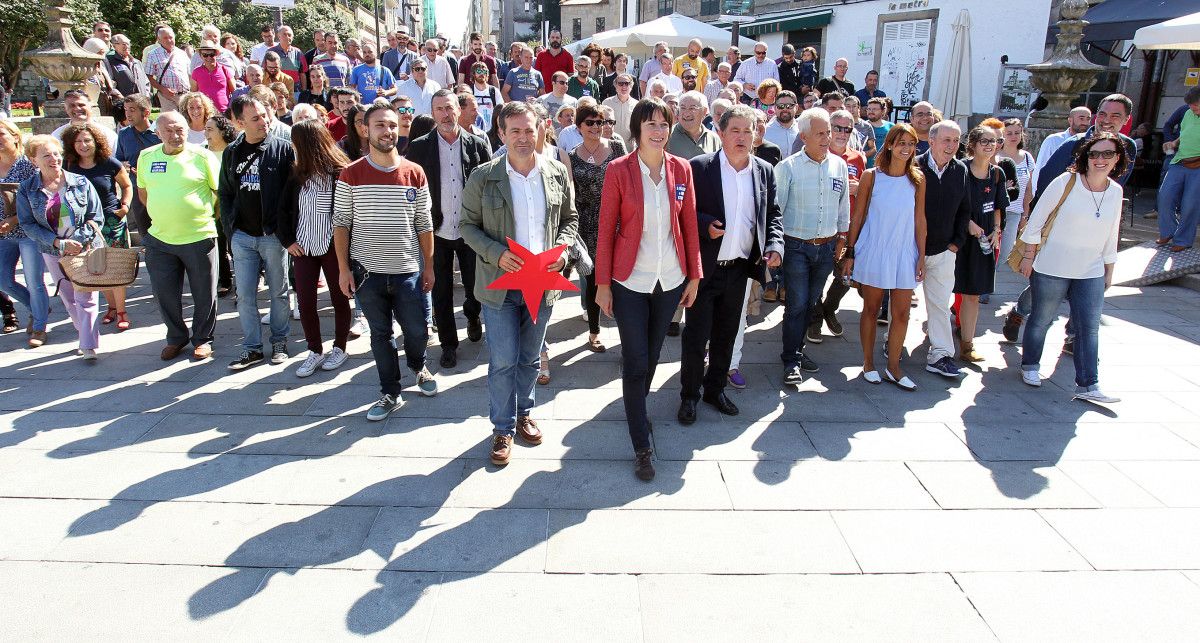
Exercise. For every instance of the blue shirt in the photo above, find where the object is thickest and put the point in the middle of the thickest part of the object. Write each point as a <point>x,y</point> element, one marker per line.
<point>369,80</point>
<point>863,96</point>
<point>1064,157</point>
<point>524,84</point>
<point>130,144</point>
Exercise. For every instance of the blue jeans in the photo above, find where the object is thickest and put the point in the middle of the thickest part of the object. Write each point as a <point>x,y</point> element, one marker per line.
<point>33,293</point>
<point>805,269</point>
<point>642,321</point>
<point>514,342</point>
<point>1179,192</point>
<point>1086,298</point>
<point>248,254</point>
<point>1024,308</point>
<point>384,297</point>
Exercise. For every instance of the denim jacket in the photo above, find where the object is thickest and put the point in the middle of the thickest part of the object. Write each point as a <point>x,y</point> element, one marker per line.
<point>81,200</point>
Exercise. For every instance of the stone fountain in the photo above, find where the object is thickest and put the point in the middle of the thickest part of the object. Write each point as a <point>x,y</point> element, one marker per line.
<point>66,64</point>
<point>1064,75</point>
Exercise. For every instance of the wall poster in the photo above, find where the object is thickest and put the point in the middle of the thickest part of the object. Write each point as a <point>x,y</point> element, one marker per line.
<point>904,60</point>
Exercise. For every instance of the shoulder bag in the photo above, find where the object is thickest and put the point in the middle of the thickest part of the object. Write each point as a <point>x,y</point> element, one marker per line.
<point>1018,251</point>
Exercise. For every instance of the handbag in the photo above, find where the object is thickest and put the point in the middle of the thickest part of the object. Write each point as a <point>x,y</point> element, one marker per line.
<point>101,267</point>
<point>1018,251</point>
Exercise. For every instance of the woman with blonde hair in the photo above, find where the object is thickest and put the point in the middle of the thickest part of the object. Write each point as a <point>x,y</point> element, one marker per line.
<point>62,213</point>
<point>196,109</point>
<point>886,247</point>
<point>16,245</point>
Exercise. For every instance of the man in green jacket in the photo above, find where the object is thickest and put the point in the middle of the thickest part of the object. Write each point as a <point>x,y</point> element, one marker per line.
<point>529,199</point>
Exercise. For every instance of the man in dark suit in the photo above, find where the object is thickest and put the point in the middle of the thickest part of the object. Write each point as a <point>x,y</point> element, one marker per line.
<point>740,231</point>
<point>448,155</point>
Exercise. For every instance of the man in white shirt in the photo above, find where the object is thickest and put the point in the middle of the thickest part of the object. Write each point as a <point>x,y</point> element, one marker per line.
<point>754,70</point>
<point>439,69</point>
<point>672,82</point>
<point>419,88</point>
<point>79,110</point>
<point>740,231</point>
<point>622,105</point>
<point>653,66</point>
<point>538,219</point>
<point>1078,122</point>
<point>782,130</point>
<point>712,91</point>
<point>268,40</point>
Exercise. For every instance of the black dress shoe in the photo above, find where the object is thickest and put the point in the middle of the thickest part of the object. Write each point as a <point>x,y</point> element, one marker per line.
<point>474,330</point>
<point>722,403</point>
<point>449,358</point>
<point>687,412</point>
<point>673,330</point>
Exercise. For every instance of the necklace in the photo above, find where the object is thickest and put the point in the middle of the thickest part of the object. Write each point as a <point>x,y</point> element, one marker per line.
<point>591,154</point>
<point>1092,194</point>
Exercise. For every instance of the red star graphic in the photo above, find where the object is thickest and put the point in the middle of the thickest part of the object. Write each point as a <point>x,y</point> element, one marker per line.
<point>533,279</point>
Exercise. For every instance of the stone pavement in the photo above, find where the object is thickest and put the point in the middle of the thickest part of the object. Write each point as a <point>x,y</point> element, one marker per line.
<point>175,500</point>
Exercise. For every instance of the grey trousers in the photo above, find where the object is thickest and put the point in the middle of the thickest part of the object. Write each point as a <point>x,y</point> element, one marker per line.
<point>168,264</point>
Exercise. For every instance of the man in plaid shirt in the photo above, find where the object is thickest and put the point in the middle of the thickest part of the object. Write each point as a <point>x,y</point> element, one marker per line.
<point>167,70</point>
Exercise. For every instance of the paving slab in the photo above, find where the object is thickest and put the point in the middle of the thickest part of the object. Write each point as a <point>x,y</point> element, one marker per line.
<point>824,485</point>
<point>946,541</point>
<point>1058,441</point>
<point>704,542</point>
<point>1107,485</point>
<point>32,527</point>
<point>1085,606</point>
<point>72,432</point>
<point>458,540</point>
<point>1131,539</point>
<point>890,441</point>
<point>1000,485</point>
<point>908,607</point>
<point>1176,484</point>
<point>771,440</point>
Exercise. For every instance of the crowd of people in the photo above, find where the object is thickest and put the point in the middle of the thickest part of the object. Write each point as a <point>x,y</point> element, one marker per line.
<point>699,184</point>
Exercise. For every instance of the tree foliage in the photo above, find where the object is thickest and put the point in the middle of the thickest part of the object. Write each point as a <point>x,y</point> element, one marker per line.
<point>23,27</point>
<point>137,18</point>
<point>306,18</point>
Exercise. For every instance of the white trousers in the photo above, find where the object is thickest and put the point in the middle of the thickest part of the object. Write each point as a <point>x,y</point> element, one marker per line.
<point>939,290</point>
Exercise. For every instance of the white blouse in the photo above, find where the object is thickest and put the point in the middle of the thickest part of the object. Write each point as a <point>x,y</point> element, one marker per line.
<point>1084,235</point>
<point>657,263</point>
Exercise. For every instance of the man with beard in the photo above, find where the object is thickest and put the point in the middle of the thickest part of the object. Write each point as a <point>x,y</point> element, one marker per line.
<point>449,155</point>
<point>922,120</point>
<point>690,80</point>
<point>555,58</point>
<point>782,130</point>
<point>789,70</point>
<point>465,75</point>
<point>1078,122</point>
<point>383,236</point>
<point>372,79</point>
<point>692,60</point>
<point>581,85</point>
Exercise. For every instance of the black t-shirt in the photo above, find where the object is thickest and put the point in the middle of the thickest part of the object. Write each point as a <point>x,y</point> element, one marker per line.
<point>248,203</point>
<point>103,177</point>
<point>826,85</point>
<point>789,76</point>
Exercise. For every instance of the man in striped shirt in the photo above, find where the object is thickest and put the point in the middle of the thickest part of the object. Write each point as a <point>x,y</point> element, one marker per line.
<point>755,70</point>
<point>383,236</point>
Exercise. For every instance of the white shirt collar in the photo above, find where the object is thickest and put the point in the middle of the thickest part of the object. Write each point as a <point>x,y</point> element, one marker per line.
<point>727,165</point>
<point>536,171</point>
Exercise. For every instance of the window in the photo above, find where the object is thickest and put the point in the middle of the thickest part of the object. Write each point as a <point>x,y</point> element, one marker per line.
<point>666,7</point>
<point>576,29</point>
<point>904,60</point>
<point>710,7</point>
<point>599,25</point>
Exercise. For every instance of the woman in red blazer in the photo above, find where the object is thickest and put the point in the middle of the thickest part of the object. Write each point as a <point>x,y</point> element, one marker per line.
<point>647,258</point>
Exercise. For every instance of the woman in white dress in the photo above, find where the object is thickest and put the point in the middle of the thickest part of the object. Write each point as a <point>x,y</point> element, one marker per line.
<point>887,247</point>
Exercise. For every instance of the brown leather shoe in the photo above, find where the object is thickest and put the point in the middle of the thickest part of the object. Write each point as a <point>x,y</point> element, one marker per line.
<point>170,351</point>
<point>501,449</point>
<point>643,465</point>
<point>37,338</point>
<point>203,351</point>
<point>529,431</point>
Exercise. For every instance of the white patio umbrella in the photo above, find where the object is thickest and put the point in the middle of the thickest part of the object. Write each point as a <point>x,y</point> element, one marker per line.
<point>675,30</point>
<point>954,95</point>
<point>1178,33</point>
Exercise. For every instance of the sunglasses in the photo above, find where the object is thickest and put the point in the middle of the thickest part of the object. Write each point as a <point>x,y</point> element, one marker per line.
<point>208,54</point>
<point>596,122</point>
<point>1101,154</point>
<point>406,110</point>
<point>785,105</point>
<point>624,83</point>
<point>842,129</point>
<point>689,77</point>
<point>760,53</point>
<point>418,68</point>
<point>430,50</point>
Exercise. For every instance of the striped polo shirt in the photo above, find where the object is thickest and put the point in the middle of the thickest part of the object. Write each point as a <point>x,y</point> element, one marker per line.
<point>384,209</point>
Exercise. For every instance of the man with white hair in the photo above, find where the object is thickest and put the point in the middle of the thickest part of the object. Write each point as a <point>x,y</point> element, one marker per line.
<point>689,138</point>
<point>653,67</point>
<point>673,83</point>
<point>79,109</point>
<point>178,183</point>
<point>657,90</point>
<point>947,211</point>
<point>166,68</point>
<point>814,196</point>
<point>439,70</point>
<point>692,60</point>
<point>712,90</point>
<point>225,58</point>
<point>622,105</point>
<point>126,71</point>
<point>291,59</point>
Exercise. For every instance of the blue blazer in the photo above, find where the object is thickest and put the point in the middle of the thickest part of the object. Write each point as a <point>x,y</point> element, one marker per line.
<point>710,207</point>
<point>81,199</point>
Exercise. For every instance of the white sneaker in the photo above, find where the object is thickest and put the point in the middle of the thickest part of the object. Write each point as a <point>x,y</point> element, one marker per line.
<point>334,359</point>
<point>359,328</point>
<point>310,364</point>
<point>266,319</point>
<point>1032,378</point>
<point>88,354</point>
<point>1094,395</point>
<point>296,312</point>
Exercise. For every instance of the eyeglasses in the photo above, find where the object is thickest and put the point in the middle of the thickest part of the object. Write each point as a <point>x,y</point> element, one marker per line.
<point>987,141</point>
<point>842,129</point>
<point>690,108</point>
<point>1101,154</point>
<point>406,110</point>
<point>418,68</point>
<point>596,122</point>
<point>624,83</point>
<point>430,50</point>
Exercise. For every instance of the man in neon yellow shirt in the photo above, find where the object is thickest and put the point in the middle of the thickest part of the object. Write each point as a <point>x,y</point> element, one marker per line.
<point>692,60</point>
<point>177,181</point>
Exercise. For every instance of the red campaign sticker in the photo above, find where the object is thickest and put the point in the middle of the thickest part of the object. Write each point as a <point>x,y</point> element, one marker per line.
<point>534,278</point>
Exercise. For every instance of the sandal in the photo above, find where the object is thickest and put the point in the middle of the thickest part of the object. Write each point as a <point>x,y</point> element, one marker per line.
<point>904,383</point>
<point>595,346</point>
<point>122,321</point>
<point>543,377</point>
<point>109,317</point>
<point>11,325</point>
